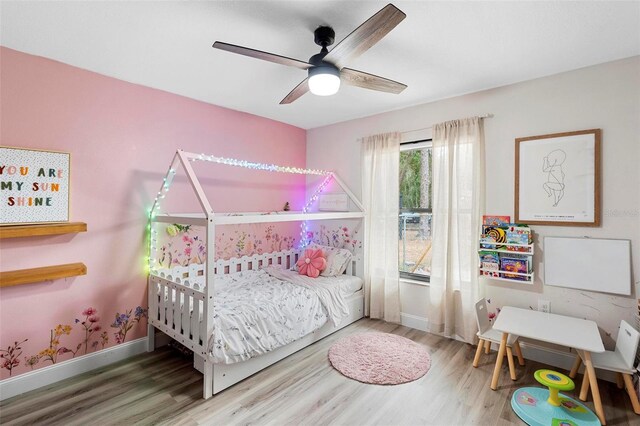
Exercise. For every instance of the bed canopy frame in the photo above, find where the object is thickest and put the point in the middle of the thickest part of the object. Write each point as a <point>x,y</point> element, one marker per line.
<point>208,219</point>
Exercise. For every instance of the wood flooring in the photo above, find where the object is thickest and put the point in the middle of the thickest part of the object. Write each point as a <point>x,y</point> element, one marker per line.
<point>163,388</point>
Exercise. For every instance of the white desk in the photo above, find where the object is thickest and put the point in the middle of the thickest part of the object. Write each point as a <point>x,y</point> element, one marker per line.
<point>575,333</point>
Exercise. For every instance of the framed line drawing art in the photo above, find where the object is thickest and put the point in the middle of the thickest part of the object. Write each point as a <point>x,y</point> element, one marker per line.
<point>34,186</point>
<point>558,179</point>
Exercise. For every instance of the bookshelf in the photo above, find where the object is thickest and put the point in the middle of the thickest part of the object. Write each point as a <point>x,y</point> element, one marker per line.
<point>503,250</point>
<point>19,231</point>
<point>46,273</point>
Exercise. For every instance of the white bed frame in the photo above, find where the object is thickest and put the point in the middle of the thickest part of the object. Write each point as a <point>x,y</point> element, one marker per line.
<point>194,286</point>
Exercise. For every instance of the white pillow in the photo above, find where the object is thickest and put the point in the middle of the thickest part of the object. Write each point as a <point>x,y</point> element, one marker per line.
<point>337,260</point>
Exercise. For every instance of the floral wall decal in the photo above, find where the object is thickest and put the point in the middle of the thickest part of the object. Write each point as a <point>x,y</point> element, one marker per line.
<point>31,361</point>
<point>492,315</point>
<point>125,322</point>
<point>183,245</point>
<point>340,236</point>
<point>104,339</point>
<point>255,239</point>
<point>86,331</point>
<point>10,357</point>
<point>90,325</point>
<point>176,228</point>
<point>51,353</point>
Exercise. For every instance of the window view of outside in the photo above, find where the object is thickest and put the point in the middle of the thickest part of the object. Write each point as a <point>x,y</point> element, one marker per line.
<point>415,212</point>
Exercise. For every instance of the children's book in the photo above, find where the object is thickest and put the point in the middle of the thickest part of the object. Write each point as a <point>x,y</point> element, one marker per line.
<point>515,263</point>
<point>489,257</point>
<point>518,234</point>
<point>521,239</point>
<point>490,263</point>
<point>487,242</point>
<point>496,220</point>
<point>490,269</point>
<point>494,234</point>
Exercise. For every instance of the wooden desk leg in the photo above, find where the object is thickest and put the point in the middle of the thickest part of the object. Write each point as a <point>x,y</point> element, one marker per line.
<point>632,393</point>
<point>619,381</point>
<point>584,389</point>
<point>496,370</point>
<point>595,391</point>
<point>476,359</point>
<point>576,367</point>
<point>512,367</point>
<point>516,346</point>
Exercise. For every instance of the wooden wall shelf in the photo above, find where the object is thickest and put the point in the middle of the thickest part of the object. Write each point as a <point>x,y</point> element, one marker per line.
<point>47,273</point>
<point>17,231</point>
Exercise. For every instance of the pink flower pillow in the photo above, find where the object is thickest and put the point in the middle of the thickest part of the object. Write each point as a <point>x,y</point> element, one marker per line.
<point>312,263</point>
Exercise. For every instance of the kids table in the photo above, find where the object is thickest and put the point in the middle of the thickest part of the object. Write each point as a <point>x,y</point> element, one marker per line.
<point>575,333</point>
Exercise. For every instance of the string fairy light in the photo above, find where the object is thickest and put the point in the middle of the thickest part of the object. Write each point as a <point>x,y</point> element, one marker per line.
<point>280,169</point>
<point>166,184</point>
<point>153,233</point>
<point>259,166</point>
<point>304,241</point>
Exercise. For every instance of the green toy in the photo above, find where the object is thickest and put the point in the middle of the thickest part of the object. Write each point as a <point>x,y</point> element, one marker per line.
<point>542,407</point>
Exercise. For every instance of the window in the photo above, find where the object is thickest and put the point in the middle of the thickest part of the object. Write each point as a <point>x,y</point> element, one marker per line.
<point>414,260</point>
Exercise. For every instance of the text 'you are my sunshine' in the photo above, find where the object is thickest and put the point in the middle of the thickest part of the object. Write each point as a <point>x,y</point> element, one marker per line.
<point>35,192</point>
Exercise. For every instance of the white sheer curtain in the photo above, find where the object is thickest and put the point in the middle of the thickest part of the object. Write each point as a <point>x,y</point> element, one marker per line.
<point>380,196</point>
<point>458,202</point>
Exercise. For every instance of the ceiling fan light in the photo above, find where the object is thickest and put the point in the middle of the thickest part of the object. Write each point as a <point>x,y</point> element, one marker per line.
<point>324,81</point>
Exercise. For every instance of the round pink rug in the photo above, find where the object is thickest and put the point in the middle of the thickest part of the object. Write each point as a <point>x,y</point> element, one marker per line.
<point>379,358</point>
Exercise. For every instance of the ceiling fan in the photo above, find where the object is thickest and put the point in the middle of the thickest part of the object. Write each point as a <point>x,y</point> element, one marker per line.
<point>327,68</point>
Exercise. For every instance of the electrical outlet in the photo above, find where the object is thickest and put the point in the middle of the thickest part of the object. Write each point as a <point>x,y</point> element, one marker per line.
<point>544,306</point>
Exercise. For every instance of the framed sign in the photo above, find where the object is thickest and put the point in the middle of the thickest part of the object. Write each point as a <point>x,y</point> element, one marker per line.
<point>34,186</point>
<point>558,179</point>
<point>338,202</point>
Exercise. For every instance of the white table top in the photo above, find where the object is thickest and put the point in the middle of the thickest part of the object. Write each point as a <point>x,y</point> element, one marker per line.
<point>559,329</point>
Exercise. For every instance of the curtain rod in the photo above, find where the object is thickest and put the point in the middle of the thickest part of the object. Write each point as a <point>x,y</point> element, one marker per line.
<point>431,127</point>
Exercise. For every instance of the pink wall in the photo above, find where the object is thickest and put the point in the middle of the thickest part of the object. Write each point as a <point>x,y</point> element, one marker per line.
<point>121,137</point>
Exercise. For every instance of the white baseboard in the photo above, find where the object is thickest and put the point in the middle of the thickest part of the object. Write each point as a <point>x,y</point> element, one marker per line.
<point>63,370</point>
<point>414,321</point>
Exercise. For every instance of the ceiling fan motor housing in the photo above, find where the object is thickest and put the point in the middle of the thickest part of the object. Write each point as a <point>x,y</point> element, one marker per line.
<point>324,36</point>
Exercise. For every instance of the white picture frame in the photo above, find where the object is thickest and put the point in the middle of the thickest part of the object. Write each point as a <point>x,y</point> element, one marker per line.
<point>333,202</point>
<point>558,179</point>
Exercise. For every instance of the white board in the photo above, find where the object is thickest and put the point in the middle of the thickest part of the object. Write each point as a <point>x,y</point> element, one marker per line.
<point>588,264</point>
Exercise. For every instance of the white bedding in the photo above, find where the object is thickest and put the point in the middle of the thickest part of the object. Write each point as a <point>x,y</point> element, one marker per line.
<point>259,311</point>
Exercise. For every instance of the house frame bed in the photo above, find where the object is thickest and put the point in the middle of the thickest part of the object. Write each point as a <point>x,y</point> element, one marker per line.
<point>189,290</point>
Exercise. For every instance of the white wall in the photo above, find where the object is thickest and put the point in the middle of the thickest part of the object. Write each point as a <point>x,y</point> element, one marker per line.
<point>605,96</point>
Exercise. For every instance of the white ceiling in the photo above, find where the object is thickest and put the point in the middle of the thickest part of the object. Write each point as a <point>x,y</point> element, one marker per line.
<point>441,49</point>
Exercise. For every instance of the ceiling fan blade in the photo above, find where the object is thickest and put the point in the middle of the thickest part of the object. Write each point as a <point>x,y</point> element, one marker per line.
<point>298,91</point>
<point>370,81</point>
<point>365,36</point>
<point>259,54</point>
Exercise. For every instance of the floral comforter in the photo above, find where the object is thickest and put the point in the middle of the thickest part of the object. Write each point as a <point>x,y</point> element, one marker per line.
<point>259,311</point>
